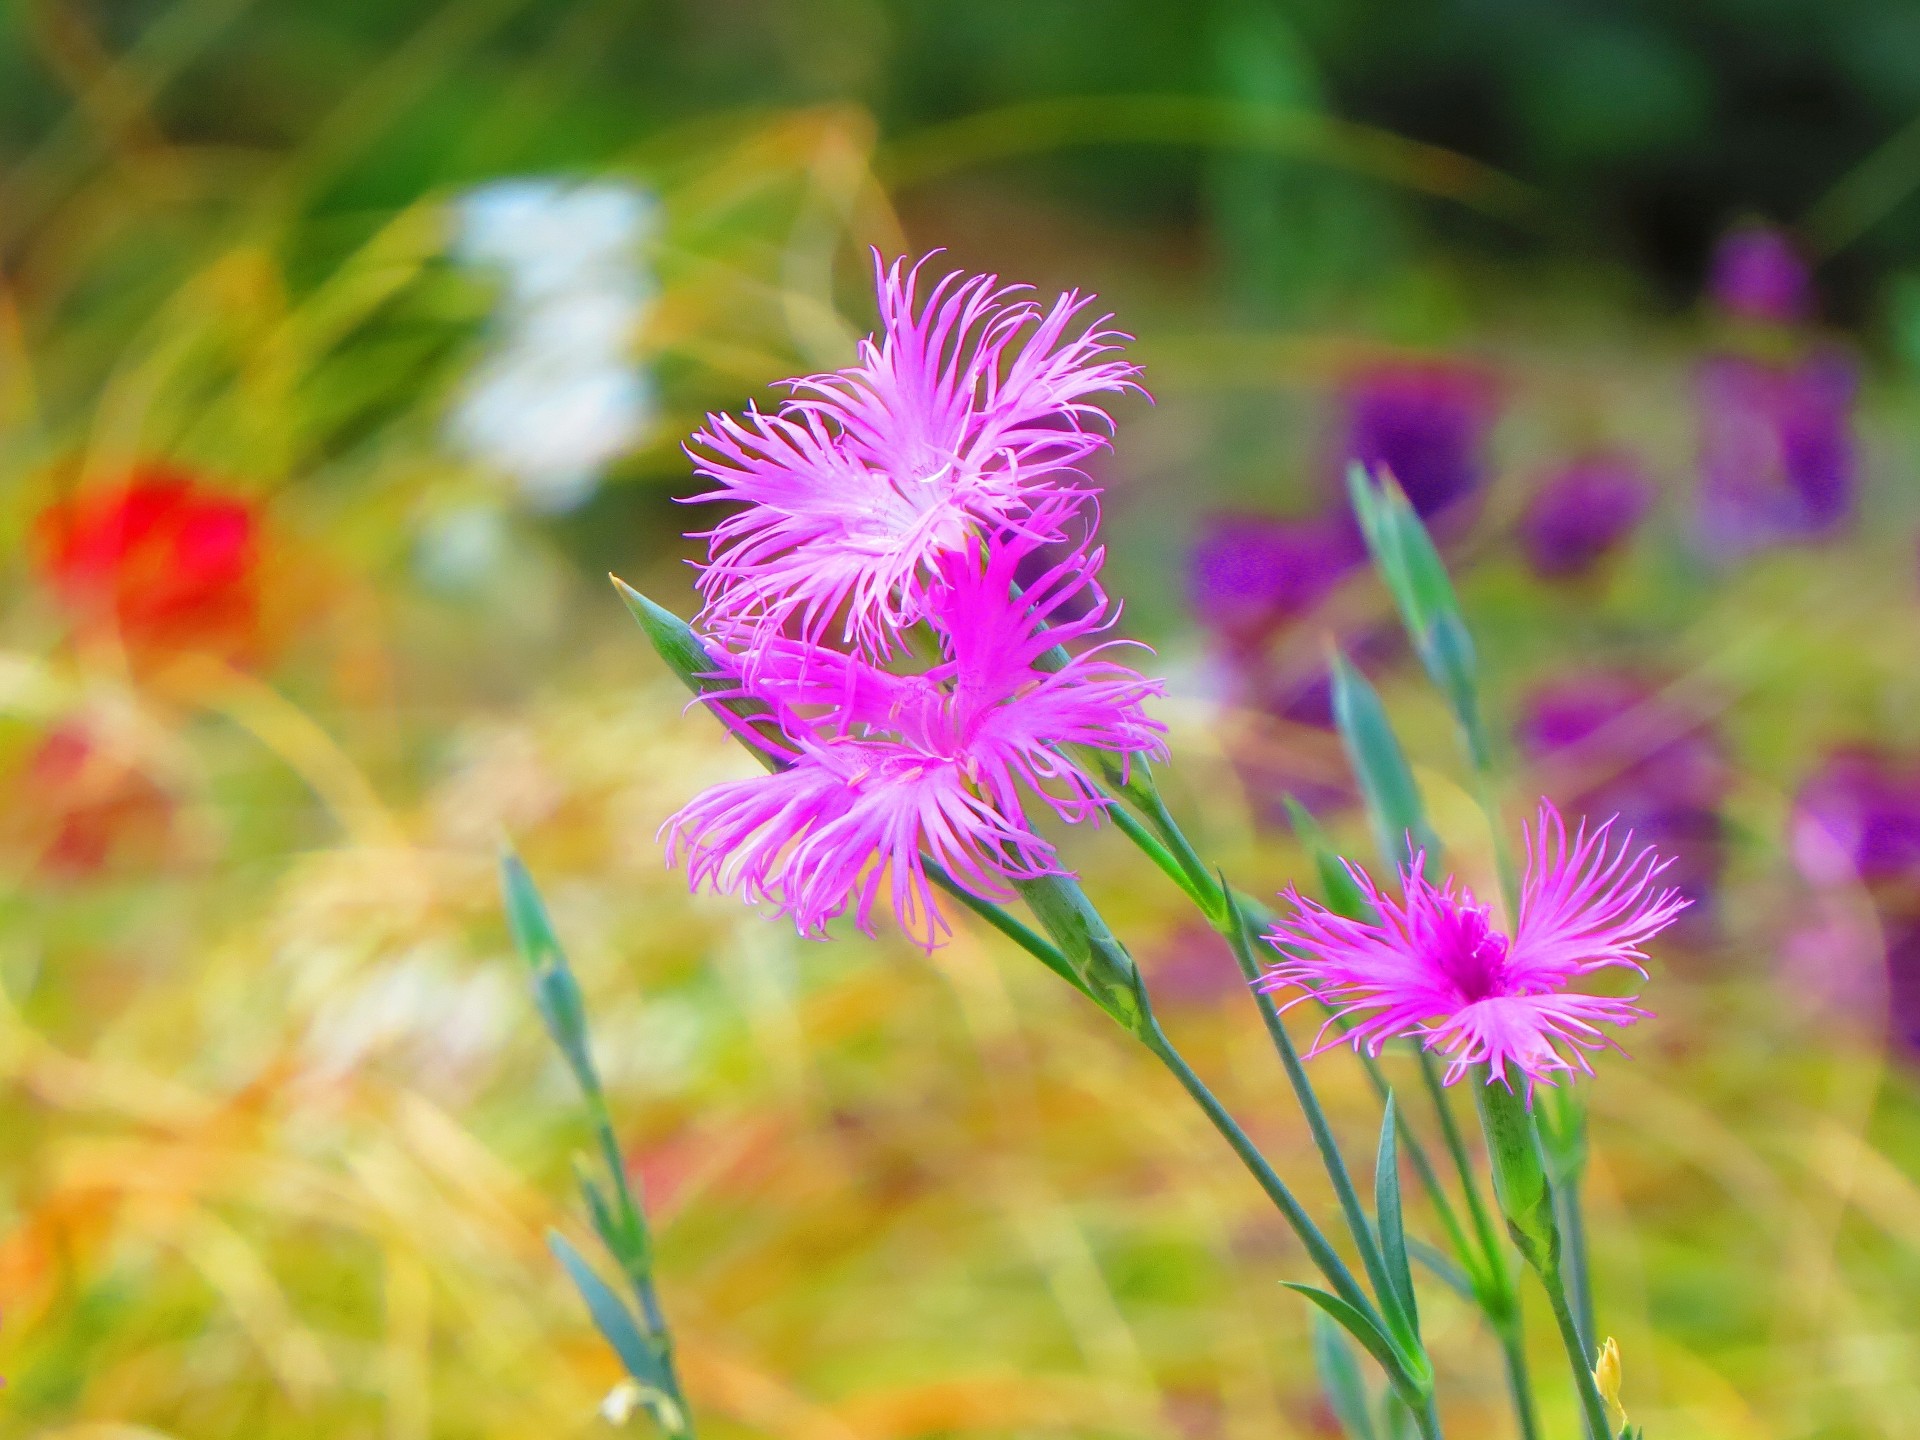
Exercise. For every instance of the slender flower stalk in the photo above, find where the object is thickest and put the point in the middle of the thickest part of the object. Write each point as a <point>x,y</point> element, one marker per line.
<point>1431,968</point>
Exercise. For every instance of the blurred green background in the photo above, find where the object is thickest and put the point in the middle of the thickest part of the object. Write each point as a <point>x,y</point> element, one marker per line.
<point>311,481</point>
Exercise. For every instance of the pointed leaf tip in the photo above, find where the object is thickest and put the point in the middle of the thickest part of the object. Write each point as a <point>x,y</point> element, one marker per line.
<point>1386,780</point>
<point>673,639</point>
<point>611,1317</point>
<point>527,915</point>
<point>1360,1328</point>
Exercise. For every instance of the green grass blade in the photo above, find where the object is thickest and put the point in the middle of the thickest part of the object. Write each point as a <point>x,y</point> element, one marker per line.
<point>1386,780</point>
<point>1388,1217</point>
<point>1340,1378</point>
<point>1371,1337</point>
<point>610,1316</point>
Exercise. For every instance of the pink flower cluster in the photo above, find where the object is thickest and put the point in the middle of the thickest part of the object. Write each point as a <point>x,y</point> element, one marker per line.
<point>884,512</point>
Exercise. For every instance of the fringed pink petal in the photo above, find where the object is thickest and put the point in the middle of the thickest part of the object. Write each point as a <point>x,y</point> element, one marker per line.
<point>1430,966</point>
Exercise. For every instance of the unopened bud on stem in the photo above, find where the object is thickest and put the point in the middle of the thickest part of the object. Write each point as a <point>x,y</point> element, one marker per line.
<point>1519,1177</point>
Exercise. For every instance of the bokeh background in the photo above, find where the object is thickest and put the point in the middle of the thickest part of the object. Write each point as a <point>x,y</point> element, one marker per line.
<point>344,348</point>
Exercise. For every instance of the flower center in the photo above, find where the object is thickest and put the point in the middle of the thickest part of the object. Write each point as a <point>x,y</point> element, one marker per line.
<point>1470,953</point>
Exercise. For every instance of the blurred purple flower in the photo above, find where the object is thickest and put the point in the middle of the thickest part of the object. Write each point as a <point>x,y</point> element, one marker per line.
<point>1758,275</point>
<point>1427,424</point>
<point>1616,747</point>
<point>1857,821</point>
<point>1250,574</point>
<point>1778,459</point>
<point>1193,966</point>
<point>1582,513</point>
<point>1859,816</point>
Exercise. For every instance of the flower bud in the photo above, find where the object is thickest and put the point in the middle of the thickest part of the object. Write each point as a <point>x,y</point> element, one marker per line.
<point>1519,1177</point>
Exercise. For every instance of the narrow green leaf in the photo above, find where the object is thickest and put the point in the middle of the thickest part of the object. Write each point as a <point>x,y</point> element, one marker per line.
<point>1388,1217</point>
<point>556,994</point>
<point>527,915</point>
<point>1340,1378</point>
<point>1403,551</point>
<point>1342,894</point>
<point>621,1229</point>
<point>1416,577</point>
<point>1443,1268</point>
<point>1386,781</point>
<point>673,639</point>
<point>688,657</point>
<point>564,1012</point>
<point>1370,1336</point>
<point>611,1317</point>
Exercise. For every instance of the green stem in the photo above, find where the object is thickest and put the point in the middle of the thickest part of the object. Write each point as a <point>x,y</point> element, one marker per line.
<point>1164,860</point>
<point>1513,1352</point>
<point>1502,1304</point>
<point>1324,1256</point>
<point>1323,1138</point>
<point>1147,1029</point>
<point>1491,1251</point>
<point>1592,1407</point>
<point>1573,1258</point>
<point>639,1275</point>
<point>1176,845</point>
<point>1219,905</point>
<point>635,1259</point>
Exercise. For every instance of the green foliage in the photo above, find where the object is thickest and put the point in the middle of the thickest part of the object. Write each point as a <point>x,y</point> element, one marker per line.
<point>1386,780</point>
<point>1340,1378</point>
<point>641,1339</point>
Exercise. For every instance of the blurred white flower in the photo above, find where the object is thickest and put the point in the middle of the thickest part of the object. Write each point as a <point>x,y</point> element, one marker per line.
<point>621,1403</point>
<point>459,547</point>
<point>560,394</point>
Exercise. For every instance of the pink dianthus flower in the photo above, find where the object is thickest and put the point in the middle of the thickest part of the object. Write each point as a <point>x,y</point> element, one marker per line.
<point>959,416</point>
<point>1432,966</point>
<point>881,772</point>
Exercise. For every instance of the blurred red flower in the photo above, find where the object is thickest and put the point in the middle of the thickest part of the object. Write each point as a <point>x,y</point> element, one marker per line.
<point>163,562</point>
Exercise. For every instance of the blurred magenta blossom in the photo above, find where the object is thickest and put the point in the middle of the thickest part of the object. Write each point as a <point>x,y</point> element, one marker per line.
<point>1778,458</point>
<point>1427,423</point>
<point>1248,575</point>
<point>1758,275</point>
<point>1856,827</point>
<point>1611,744</point>
<point>1583,513</point>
